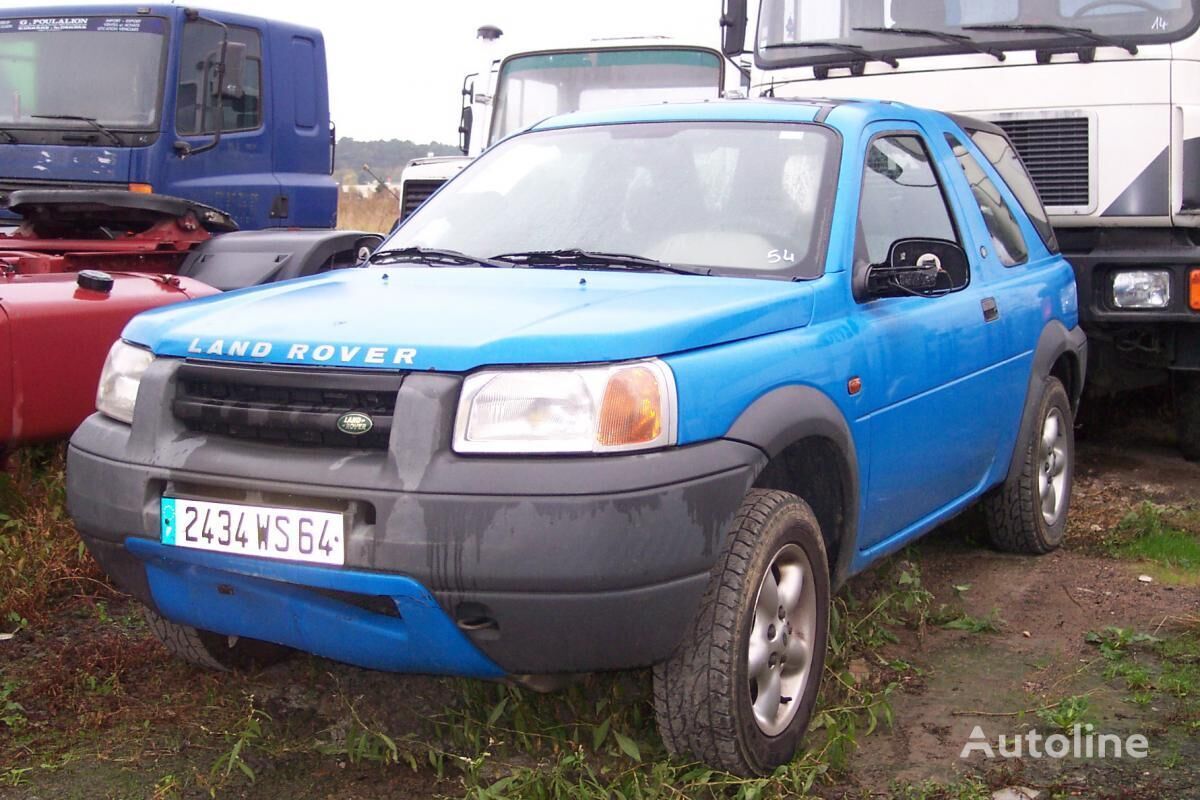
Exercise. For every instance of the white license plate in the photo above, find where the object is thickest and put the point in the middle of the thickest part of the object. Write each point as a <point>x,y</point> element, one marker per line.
<point>293,534</point>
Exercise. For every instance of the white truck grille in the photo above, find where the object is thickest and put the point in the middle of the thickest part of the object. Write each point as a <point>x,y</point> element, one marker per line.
<point>1057,153</point>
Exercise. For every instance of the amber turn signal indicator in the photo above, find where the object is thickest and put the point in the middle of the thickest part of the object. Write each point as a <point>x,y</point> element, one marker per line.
<point>632,409</point>
<point>854,385</point>
<point>1194,290</point>
<point>141,188</point>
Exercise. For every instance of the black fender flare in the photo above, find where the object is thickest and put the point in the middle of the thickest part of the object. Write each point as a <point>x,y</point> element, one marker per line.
<point>1054,341</point>
<point>788,414</point>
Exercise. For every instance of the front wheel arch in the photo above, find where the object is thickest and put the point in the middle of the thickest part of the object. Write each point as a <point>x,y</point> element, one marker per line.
<point>795,445</point>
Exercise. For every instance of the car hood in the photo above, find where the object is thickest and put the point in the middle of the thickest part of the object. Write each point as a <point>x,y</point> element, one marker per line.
<point>456,319</point>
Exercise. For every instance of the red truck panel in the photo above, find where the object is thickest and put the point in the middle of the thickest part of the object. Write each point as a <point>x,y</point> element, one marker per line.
<point>54,337</point>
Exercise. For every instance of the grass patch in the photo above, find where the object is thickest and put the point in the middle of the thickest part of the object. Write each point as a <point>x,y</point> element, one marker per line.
<point>1159,669</point>
<point>1159,535</point>
<point>41,557</point>
<point>374,213</point>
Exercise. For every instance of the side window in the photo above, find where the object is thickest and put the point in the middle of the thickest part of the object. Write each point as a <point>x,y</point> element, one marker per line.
<point>199,99</point>
<point>999,151</point>
<point>901,197</point>
<point>1007,240</point>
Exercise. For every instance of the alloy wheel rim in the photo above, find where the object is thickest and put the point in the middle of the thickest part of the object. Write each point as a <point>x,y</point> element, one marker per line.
<point>1052,466</point>
<point>779,655</point>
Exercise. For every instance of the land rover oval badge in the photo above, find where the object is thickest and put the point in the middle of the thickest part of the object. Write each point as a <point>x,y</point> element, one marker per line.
<point>354,423</point>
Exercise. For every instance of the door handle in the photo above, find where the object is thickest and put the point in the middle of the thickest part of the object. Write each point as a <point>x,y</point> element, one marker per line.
<point>991,312</point>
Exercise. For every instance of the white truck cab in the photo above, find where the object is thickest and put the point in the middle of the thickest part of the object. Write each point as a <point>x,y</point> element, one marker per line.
<point>513,91</point>
<point>1101,99</point>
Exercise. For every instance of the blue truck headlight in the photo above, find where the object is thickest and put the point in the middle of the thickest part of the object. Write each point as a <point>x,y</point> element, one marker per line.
<point>616,408</point>
<point>120,379</point>
<point>1142,288</point>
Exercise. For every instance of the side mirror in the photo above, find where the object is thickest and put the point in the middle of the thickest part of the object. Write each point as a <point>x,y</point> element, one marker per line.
<point>466,123</point>
<point>921,267</point>
<point>733,28</point>
<point>234,83</point>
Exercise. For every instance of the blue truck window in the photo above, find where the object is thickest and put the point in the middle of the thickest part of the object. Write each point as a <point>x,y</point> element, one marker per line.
<point>1007,240</point>
<point>901,196</point>
<point>107,68</point>
<point>196,100</point>
<point>304,75</point>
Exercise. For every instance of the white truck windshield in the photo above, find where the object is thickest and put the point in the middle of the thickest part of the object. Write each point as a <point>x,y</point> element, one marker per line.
<point>790,31</point>
<point>105,68</point>
<point>535,86</point>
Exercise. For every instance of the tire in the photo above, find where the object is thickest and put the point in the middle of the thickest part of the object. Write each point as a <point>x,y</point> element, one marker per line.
<point>1021,516</point>
<point>1187,414</point>
<point>213,651</point>
<point>705,695</point>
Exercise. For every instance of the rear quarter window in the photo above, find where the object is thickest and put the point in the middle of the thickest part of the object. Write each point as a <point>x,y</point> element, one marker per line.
<point>999,151</point>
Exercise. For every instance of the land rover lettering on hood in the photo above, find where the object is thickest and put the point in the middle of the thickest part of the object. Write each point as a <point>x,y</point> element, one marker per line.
<point>638,388</point>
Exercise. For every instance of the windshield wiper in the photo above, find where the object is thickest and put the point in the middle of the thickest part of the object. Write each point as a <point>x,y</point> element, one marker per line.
<point>1063,30</point>
<point>8,137</point>
<point>859,52</point>
<point>950,38</point>
<point>591,259</point>
<point>431,256</point>
<point>112,137</point>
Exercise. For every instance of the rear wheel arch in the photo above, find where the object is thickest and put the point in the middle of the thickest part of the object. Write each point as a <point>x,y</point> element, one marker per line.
<point>811,454</point>
<point>1062,354</point>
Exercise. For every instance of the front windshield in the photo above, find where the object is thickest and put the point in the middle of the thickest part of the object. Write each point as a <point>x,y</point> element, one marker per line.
<point>533,87</point>
<point>784,23</point>
<point>749,198</point>
<point>107,68</point>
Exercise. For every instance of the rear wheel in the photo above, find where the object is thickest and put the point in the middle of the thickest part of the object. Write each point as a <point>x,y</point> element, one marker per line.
<point>213,650</point>
<point>740,690</point>
<point>1028,513</point>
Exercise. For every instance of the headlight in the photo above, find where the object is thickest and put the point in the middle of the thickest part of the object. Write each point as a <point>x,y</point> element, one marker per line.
<point>119,380</point>
<point>1142,289</point>
<point>563,410</point>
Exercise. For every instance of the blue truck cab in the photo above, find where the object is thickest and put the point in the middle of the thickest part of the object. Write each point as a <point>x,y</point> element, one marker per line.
<point>223,109</point>
<point>637,388</point>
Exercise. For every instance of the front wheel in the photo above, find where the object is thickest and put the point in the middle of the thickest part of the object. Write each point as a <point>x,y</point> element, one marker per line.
<point>213,650</point>
<point>740,690</point>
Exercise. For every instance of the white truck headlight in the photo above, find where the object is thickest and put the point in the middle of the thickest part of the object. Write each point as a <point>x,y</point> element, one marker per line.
<point>1143,288</point>
<point>120,379</point>
<point>616,408</point>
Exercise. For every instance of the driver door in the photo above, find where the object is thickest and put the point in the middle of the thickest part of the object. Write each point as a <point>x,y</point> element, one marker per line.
<point>932,419</point>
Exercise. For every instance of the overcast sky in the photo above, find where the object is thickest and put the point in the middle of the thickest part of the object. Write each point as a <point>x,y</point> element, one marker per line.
<point>396,68</point>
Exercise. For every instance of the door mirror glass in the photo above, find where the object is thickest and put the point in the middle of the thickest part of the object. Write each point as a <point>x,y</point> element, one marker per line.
<point>920,267</point>
<point>233,84</point>
<point>733,27</point>
<point>466,123</point>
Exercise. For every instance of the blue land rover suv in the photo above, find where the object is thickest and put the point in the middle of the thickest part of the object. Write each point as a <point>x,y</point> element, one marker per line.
<point>638,388</point>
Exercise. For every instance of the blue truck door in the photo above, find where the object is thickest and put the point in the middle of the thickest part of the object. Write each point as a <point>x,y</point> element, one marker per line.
<point>932,414</point>
<point>236,176</point>
<point>302,156</point>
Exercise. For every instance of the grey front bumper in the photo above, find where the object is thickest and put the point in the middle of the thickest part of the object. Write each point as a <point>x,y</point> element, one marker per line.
<point>576,564</point>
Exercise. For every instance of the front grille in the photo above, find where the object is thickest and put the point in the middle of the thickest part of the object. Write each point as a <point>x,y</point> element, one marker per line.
<point>286,406</point>
<point>415,193</point>
<point>1056,152</point>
